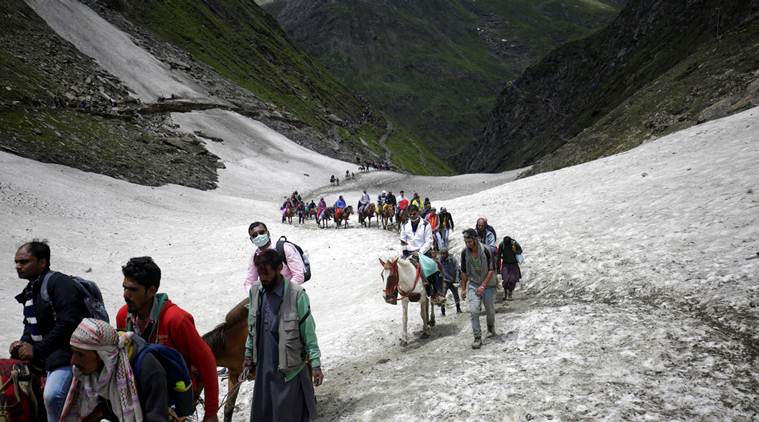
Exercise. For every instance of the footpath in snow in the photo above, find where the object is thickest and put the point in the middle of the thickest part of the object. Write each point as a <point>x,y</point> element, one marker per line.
<point>638,300</point>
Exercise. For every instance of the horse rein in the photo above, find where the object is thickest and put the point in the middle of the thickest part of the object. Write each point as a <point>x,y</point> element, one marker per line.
<point>395,273</point>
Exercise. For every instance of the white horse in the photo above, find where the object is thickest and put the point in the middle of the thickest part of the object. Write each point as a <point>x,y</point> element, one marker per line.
<point>403,275</point>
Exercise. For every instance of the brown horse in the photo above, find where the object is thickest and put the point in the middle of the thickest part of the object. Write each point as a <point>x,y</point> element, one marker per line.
<point>388,212</point>
<point>289,213</point>
<point>327,215</point>
<point>366,215</point>
<point>227,342</point>
<point>344,216</point>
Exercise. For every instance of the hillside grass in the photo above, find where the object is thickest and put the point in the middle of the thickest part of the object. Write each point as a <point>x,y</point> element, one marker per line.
<point>243,43</point>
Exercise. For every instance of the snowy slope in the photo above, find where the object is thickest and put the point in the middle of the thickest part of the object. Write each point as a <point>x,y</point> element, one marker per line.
<point>638,301</point>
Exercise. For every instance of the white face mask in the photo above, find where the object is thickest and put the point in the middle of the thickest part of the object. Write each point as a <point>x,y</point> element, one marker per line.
<point>260,240</point>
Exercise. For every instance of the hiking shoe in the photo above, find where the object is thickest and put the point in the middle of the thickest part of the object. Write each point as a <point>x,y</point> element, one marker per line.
<point>491,331</point>
<point>458,308</point>
<point>477,343</point>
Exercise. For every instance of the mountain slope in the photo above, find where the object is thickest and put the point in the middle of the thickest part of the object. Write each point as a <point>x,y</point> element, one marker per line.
<point>435,66</point>
<point>657,66</point>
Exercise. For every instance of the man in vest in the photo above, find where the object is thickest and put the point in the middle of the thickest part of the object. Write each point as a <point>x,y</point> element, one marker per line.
<point>478,283</point>
<point>281,347</point>
<point>156,319</point>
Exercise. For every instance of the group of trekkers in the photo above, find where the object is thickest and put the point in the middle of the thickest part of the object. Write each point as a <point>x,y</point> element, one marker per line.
<point>475,272</point>
<point>153,364</point>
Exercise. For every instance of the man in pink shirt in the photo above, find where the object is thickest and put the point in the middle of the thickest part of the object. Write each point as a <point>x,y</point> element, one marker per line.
<point>292,267</point>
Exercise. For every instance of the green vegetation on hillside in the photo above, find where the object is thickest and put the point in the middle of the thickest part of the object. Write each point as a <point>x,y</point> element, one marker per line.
<point>436,66</point>
<point>719,79</point>
<point>243,43</point>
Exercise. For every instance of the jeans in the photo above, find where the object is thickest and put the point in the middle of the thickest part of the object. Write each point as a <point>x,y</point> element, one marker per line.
<point>442,238</point>
<point>475,302</point>
<point>56,389</point>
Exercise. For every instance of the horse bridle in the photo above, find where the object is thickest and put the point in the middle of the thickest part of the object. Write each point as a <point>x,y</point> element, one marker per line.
<point>392,284</point>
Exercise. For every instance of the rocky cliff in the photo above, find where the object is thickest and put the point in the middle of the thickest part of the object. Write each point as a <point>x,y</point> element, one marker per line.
<point>435,66</point>
<point>659,66</point>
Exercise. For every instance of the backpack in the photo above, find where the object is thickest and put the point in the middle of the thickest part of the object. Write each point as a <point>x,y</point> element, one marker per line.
<point>306,265</point>
<point>90,292</point>
<point>178,378</point>
<point>20,393</point>
<point>489,228</point>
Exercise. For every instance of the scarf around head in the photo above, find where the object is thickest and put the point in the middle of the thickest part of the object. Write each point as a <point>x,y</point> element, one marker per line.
<point>114,382</point>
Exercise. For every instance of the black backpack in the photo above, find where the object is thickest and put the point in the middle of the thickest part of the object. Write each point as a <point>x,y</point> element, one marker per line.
<point>90,292</point>
<point>306,264</point>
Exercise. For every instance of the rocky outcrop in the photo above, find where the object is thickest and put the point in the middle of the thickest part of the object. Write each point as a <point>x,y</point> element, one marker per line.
<point>577,85</point>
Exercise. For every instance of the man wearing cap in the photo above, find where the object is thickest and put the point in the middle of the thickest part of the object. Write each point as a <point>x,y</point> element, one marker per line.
<point>478,283</point>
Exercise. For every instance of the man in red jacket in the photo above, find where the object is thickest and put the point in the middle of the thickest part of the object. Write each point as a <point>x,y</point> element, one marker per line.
<point>156,319</point>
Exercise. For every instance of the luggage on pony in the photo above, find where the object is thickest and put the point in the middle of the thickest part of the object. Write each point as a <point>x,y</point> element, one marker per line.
<point>20,393</point>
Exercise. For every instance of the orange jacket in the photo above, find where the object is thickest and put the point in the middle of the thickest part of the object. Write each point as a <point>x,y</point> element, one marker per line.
<point>176,329</point>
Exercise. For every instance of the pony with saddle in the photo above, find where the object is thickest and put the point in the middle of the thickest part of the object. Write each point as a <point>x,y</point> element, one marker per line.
<point>227,342</point>
<point>342,216</point>
<point>366,214</point>
<point>387,214</point>
<point>322,220</point>
<point>402,275</point>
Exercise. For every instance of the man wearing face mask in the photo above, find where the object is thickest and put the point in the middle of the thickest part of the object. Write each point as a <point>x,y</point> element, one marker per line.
<point>292,268</point>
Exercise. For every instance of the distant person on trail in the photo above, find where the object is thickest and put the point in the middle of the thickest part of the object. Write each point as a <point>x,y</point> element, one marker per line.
<point>301,210</point>
<point>332,179</point>
<point>152,316</point>
<point>450,272</point>
<point>433,219</point>
<point>337,181</point>
<point>48,324</point>
<point>284,207</point>
<point>339,206</point>
<point>311,209</point>
<point>416,201</point>
<point>507,262</point>
<point>106,384</point>
<point>486,234</point>
<point>320,208</point>
<point>445,227</point>
<point>363,203</point>
<point>381,198</point>
<point>294,268</point>
<point>426,208</point>
<point>390,199</point>
<point>416,239</point>
<point>403,203</point>
<point>281,349</point>
<point>477,284</point>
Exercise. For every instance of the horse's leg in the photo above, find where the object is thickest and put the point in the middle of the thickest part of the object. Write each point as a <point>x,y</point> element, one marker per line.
<point>425,319</point>
<point>232,390</point>
<point>404,332</point>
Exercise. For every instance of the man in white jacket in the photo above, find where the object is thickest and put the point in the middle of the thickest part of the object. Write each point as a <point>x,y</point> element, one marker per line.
<point>416,239</point>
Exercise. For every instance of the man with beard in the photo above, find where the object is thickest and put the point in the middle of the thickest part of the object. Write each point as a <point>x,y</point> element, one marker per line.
<point>281,348</point>
<point>477,284</point>
<point>156,319</point>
